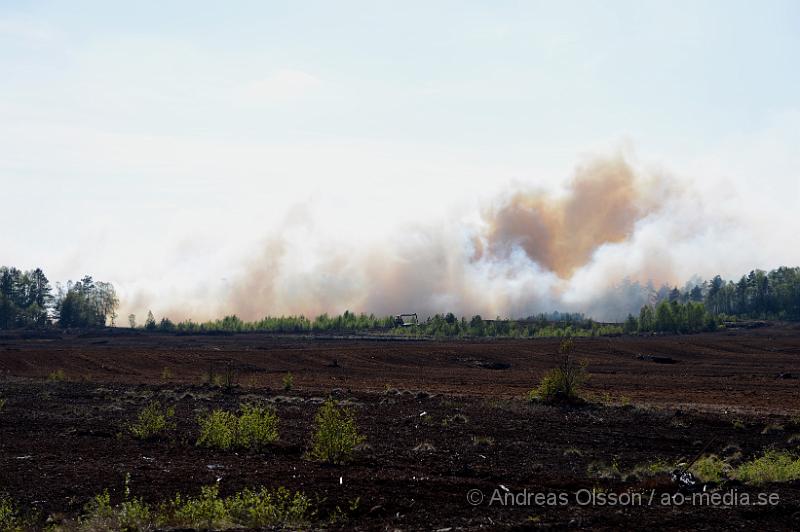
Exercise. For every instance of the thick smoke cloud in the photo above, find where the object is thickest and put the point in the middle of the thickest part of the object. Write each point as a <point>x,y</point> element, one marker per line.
<point>517,260</point>
<point>601,205</point>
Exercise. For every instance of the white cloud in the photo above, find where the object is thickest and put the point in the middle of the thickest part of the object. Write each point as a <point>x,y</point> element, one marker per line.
<point>281,86</point>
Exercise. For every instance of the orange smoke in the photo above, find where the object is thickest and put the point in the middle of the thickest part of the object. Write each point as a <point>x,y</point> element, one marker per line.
<point>602,204</point>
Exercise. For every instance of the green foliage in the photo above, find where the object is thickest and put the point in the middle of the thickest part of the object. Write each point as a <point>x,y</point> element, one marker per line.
<point>10,520</point>
<point>676,317</point>
<point>150,322</point>
<point>207,511</point>
<point>288,382</point>
<point>562,383</point>
<point>56,376</point>
<point>263,508</point>
<point>2,403</point>
<point>336,434</point>
<point>257,426</point>
<point>772,466</point>
<point>711,469</point>
<point>217,430</point>
<point>254,428</point>
<point>25,297</point>
<point>437,326</point>
<point>250,508</point>
<point>86,303</point>
<point>152,421</point>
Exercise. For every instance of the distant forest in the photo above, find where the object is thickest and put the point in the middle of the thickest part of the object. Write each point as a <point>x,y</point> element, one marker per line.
<point>27,300</point>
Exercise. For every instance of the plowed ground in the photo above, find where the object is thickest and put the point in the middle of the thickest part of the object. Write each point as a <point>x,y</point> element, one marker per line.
<point>62,442</point>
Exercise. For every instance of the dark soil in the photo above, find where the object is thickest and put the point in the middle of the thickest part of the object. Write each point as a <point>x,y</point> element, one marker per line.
<point>440,417</point>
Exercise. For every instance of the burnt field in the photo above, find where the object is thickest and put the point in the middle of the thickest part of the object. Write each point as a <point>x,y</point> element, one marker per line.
<point>440,418</point>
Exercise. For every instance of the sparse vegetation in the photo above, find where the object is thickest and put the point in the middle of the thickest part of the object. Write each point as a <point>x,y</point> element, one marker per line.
<point>772,428</point>
<point>10,520</point>
<point>563,383</point>
<point>288,382</point>
<point>424,447</point>
<point>2,403</point>
<point>482,441</point>
<point>711,468</point>
<point>166,374</point>
<point>572,451</point>
<point>57,376</point>
<point>455,419</point>
<point>336,434</point>
<point>772,466</point>
<point>152,420</point>
<point>250,508</point>
<point>254,428</point>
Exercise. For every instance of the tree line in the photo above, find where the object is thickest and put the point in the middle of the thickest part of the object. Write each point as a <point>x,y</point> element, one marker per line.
<point>28,300</point>
<point>703,305</point>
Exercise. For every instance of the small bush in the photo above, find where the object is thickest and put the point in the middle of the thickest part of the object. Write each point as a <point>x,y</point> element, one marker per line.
<point>424,447</point>
<point>166,374</point>
<point>738,424</point>
<point>151,421</point>
<point>288,382</point>
<point>10,520</point>
<point>57,376</point>
<point>563,383</point>
<point>263,508</point>
<point>207,511</point>
<point>482,441</point>
<point>252,429</point>
<point>217,430</point>
<point>2,404</point>
<point>455,419</point>
<point>773,466</point>
<point>336,434</point>
<point>249,508</point>
<point>711,469</point>
<point>257,427</point>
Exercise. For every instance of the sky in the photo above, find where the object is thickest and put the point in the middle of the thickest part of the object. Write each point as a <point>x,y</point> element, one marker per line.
<point>199,153</point>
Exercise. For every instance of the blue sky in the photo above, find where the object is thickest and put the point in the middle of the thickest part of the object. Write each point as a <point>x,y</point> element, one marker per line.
<point>194,129</point>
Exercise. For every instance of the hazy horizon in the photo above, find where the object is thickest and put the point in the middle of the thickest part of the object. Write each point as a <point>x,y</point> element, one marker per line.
<point>497,159</point>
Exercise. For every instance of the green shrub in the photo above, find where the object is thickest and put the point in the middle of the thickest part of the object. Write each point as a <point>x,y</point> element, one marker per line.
<point>257,426</point>
<point>2,404</point>
<point>217,430</point>
<point>151,421</point>
<point>57,376</point>
<point>263,508</point>
<point>9,516</point>
<point>711,469</point>
<point>773,466</point>
<point>336,434</point>
<point>563,383</point>
<point>208,511</point>
<point>288,382</point>
<point>253,428</point>
<point>249,508</point>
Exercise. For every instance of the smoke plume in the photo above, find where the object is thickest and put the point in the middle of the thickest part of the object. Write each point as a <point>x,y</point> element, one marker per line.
<point>519,258</point>
<point>601,205</point>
